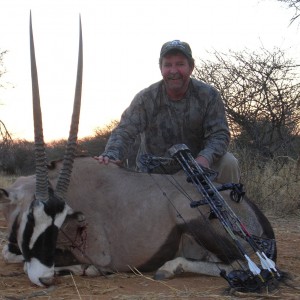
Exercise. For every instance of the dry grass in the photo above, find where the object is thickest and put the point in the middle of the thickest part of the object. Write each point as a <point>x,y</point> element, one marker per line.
<point>15,285</point>
<point>274,185</point>
<point>6,180</point>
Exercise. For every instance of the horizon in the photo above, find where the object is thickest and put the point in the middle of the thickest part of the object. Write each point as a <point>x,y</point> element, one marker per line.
<point>121,44</point>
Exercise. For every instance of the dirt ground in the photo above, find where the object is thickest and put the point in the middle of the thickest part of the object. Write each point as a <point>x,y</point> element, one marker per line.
<point>15,285</point>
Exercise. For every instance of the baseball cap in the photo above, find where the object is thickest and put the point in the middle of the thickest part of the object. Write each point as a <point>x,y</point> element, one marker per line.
<point>176,45</point>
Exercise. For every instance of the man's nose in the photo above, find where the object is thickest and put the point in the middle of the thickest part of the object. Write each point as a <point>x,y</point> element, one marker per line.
<point>173,69</point>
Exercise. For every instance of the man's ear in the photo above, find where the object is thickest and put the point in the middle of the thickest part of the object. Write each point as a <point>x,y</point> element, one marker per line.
<point>192,69</point>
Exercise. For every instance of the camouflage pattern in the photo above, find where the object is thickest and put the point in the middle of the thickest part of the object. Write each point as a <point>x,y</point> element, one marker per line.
<point>198,121</point>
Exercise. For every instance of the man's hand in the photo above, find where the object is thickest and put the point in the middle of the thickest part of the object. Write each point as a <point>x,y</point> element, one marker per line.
<point>202,161</point>
<point>105,160</point>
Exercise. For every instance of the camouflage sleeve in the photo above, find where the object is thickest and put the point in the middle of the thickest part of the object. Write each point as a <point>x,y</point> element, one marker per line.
<point>215,128</point>
<point>123,136</point>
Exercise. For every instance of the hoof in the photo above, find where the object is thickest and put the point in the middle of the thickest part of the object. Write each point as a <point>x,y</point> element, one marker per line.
<point>161,275</point>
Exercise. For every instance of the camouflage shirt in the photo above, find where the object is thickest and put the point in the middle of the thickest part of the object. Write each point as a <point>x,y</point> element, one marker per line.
<point>198,120</point>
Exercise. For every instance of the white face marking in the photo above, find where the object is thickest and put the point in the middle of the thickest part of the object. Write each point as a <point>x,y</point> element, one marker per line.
<point>60,218</point>
<point>42,222</point>
<point>35,270</point>
<point>22,228</point>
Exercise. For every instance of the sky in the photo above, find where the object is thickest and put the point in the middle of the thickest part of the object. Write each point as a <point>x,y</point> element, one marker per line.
<point>121,45</point>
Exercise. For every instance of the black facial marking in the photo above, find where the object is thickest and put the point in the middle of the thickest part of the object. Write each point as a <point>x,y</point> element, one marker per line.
<point>44,247</point>
<point>12,238</point>
<point>54,205</point>
<point>14,248</point>
<point>28,231</point>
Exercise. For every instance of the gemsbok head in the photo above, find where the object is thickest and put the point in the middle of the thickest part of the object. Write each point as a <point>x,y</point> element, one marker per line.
<point>39,223</point>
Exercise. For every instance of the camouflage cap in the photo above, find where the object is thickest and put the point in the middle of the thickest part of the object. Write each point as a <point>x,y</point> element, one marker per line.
<point>176,45</point>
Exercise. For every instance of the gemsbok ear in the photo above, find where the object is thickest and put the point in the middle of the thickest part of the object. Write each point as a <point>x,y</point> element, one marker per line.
<point>4,196</point>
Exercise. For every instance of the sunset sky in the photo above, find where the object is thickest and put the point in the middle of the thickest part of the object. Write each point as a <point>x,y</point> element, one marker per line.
<point>121,40</point>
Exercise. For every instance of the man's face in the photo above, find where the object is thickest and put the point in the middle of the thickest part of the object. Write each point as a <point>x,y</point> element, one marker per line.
<point>176,73</point>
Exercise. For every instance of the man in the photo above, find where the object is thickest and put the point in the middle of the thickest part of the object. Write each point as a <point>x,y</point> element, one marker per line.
<point>176,110</point>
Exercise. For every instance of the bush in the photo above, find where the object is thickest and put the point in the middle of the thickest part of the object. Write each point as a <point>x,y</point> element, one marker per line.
<point>18,158</point>
<point>273,184</point>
